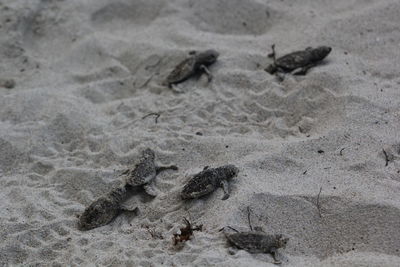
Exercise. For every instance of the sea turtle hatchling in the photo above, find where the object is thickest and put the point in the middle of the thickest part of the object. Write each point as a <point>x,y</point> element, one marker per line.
<point>209,180</point>
<point>145,171</point>
<point>196,63</point>
<point>258,242</point>
<point>104,209</point>
<point>301,61</point>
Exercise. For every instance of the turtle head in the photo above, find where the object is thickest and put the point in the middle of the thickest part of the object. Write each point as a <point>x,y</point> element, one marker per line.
<point>321,52</point>
<point>281,241</point>
<point>148,153</point>
<point>231,170</point>
<point>207,57</point>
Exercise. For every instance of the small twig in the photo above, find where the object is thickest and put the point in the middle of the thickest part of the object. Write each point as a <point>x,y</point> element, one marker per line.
<point>386,157</point>
<point>341,152</point>
<point>318,204</point>
<point>151,232</point>
<point>187,222</point>
<point>272,54</point>
<point>152,114</point>
<point>228,227</point>
<point>146,82</point>
<point>190,216</point>
<point>248,218</point>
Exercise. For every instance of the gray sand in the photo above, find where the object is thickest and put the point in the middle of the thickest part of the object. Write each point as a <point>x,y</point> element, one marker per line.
<point>86,72</point>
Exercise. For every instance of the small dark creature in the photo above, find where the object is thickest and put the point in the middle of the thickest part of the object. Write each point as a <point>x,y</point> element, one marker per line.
<point>257,241</point>
<point>103,210</point>
<point>301,61</point>
<point>196,63</point>
<point>186,232</point>
<point>209,180</point>
<point>144,173</point>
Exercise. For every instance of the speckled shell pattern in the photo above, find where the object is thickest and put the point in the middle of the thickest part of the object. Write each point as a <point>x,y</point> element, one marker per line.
<point>182,71</point>
<point>302,58</point>
<point>201,182</point>
<point>254,242</point>
<point>103,210</point>
<point>294,60</point>
<point>144,171</point>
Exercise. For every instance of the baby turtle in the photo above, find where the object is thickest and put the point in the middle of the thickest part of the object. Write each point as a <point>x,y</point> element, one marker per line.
<point>145,172</point>
<point>301,60</point>
<point>103,210</point>
<point>209,180</point>
<point>195,64</point>
<point>258,242</point>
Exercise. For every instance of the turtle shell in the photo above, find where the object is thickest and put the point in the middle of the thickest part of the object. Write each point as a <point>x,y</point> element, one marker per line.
<point>294,60</point>
<point>182,71</point>
<point>255,241</point>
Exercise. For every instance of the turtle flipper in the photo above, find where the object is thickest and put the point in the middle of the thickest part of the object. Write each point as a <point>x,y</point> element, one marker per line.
<point>275,254</point>
<point>303,70</point>
<point>225,187</point>
<point>174,88</point>
<point>208,189</point>
<point>207,72</point>
<point>272,68</point>
<point>150,189</point>
<point>163,168</point>
<point>124,207</point>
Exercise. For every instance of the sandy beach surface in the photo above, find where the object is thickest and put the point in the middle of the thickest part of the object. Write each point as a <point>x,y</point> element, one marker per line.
<point>319,155</point>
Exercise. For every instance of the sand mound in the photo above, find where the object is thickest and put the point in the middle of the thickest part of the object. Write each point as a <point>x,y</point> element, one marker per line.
<point>344,226</point>
<point>231,17</point>
<point>122,12</point>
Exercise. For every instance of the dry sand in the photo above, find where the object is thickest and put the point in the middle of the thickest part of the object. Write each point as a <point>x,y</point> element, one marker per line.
<point>86,73</point>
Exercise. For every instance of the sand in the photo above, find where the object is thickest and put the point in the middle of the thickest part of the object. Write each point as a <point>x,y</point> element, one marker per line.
<point>86,72</point>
